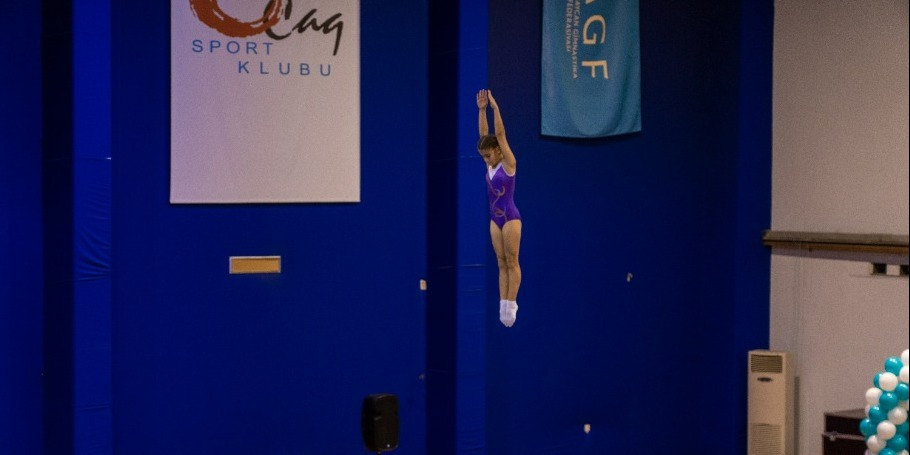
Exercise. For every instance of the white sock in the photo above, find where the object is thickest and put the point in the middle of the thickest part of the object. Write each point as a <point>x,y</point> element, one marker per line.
<point>508,312</point>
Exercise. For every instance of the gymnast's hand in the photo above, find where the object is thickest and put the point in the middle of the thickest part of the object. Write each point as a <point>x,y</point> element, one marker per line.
<point>482,99</point>
<point>491,100</point>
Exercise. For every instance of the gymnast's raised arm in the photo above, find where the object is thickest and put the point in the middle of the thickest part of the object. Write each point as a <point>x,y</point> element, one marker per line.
<point>508,158</point>
<point>482,102</point>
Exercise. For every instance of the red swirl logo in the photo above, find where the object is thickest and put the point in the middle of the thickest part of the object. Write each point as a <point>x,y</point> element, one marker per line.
<point>209,13</point>
<point>276,11</point>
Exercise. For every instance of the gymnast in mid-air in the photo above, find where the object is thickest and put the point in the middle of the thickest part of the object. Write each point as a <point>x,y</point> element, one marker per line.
<point>505,221</point>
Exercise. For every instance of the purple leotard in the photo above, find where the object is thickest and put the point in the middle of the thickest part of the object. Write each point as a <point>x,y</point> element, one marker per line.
<point>500,191</point>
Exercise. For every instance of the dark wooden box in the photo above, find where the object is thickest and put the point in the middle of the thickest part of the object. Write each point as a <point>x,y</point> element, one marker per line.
<point>842,436</point>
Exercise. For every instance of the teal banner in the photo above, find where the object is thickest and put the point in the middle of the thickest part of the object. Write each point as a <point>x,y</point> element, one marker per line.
<point>590,68</point>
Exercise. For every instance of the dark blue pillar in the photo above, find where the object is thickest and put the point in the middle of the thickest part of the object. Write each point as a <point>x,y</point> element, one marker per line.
<point>21,275</point>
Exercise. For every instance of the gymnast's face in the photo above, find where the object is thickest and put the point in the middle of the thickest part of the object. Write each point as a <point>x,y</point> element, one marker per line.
<point>491,156</point>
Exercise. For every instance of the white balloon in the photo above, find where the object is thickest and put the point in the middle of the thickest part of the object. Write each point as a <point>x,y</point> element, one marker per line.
<point>904,452</point>
<point>905,357</point>
<point>872,396</point>
<point>897,415</point>
<point>885,431</point>
<point>875,445</point>
<point>904,404</point>
<point>887,382</point>
<point>905,374</point>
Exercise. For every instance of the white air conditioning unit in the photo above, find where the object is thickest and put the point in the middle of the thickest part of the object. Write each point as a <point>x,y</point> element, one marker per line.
<point>772,403</point>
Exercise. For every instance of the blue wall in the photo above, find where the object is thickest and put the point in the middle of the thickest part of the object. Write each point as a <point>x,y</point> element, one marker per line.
<point>645,281</point>
<point>635,249</point>
<point>206,362</point>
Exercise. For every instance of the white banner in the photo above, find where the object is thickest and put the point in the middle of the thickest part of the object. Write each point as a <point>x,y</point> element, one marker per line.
<point>265,101</point>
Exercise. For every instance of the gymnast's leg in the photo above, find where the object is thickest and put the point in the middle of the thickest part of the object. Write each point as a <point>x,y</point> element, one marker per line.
<point>500,249</point>
<point>506,243</point>
<point>511,236</point>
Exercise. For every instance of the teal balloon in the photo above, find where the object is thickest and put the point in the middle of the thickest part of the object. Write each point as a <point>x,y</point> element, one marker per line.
<point>893,365</point>
<point>902,428</point>
<point>887,451</point>
<point>887,401</point>
<point>898,443</point>
<point>867,428</point>
<point>877,415</point>
<point>902,391</point>
<point>875,380</point>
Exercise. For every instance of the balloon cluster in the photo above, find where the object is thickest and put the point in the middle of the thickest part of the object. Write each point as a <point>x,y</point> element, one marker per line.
<point>885,425</point>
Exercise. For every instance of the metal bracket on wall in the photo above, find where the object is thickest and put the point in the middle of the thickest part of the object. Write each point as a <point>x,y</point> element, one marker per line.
<point>829,241</point>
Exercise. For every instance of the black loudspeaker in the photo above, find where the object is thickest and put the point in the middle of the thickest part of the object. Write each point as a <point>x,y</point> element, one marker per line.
<point>379,422</point>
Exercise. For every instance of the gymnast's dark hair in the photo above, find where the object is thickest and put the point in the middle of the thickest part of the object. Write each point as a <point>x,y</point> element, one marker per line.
<point>487,142</point>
